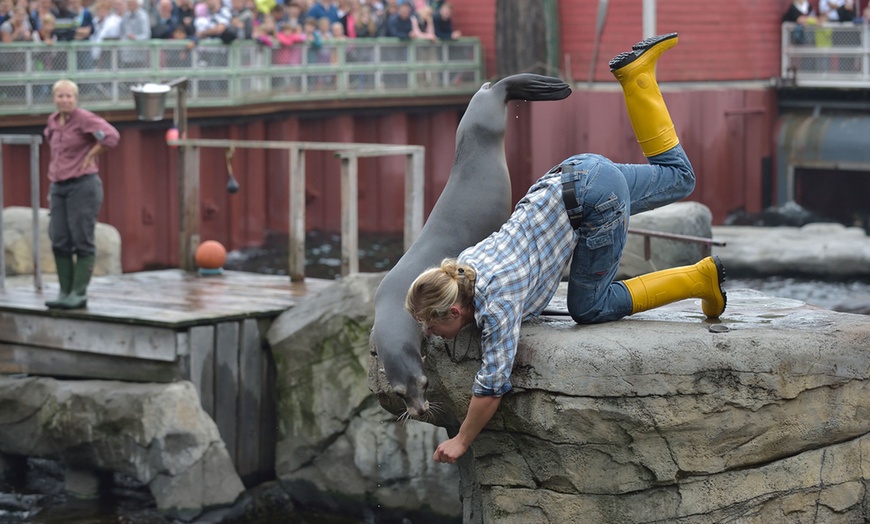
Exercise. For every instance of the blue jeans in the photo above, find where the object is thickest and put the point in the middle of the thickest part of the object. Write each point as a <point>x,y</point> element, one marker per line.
<point>606,195</point>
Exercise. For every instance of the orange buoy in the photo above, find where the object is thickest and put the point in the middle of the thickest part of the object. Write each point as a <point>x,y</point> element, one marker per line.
<point>211,254</point>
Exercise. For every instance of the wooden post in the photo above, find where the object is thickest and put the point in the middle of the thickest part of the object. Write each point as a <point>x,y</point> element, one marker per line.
<point>188,197</point>
<point>34,205</point>
<point>227,383</point>
<point>296,251</point>
<point>202,366</point>
<point>188,184</point>
<point>250,400</point>
<point>414,180</point>
<point>349,215</point>
<point>2,243</point>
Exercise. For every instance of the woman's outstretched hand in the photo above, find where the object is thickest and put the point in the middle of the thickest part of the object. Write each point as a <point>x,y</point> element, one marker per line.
<point>480,411</point>
<point>449,451</point>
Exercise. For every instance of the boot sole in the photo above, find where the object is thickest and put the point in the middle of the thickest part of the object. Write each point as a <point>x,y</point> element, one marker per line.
<point>645,44</point>
<point>720,273</point>
<point>82,306</point>
<point>637,50</point>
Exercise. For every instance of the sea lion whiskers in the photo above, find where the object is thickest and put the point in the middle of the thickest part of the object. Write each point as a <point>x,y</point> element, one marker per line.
<point>435,409</point>
<point>430,416</point>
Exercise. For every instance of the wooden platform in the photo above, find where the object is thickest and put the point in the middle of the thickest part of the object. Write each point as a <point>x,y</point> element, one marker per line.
<point>170,297</point>
<point>163,326</point>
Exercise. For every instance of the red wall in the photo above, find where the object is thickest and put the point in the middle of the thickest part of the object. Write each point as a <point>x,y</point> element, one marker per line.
<point>726,133</point>
<point>719,41</point>
<point>726,130</point>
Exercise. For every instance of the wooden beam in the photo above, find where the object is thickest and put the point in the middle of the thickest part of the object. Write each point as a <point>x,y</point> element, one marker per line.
<point>360,148</point>
<point>88,336</point>
<point>250,399</point>
<point>188,213</point>
<point>349,216</point>
<point>202,364</point>
<point>414,180</point>
<point>296,244</point>
<point>227,383</point>
<point>32,360</point>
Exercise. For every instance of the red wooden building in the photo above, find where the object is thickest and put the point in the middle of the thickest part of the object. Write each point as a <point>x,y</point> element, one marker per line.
<point>718,83</point>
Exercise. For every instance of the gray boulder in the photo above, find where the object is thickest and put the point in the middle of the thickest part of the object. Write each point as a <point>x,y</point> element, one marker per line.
<point>337,448</point>
<point>157,434</point>
<point>667,417</point>
<point>829,250</point>
<point>18,243</point>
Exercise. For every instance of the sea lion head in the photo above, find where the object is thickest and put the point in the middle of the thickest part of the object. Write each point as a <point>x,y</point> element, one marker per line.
<point>397,339</point>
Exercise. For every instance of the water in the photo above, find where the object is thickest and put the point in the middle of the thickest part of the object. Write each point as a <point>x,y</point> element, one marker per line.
<point>380,252</point>
<point>845,297</point>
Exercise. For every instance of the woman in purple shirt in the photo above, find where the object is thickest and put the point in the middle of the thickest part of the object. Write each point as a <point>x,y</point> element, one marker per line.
<point>76,137</point>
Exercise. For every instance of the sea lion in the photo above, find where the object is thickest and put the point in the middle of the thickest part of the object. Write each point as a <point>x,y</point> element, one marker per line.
<point>476,201</point>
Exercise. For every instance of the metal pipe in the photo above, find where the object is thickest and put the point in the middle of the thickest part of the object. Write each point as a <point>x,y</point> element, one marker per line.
<point>649,18</point>
<point>678,237</point>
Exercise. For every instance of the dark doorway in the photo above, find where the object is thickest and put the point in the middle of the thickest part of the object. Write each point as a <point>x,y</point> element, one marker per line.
<point>841,195</point>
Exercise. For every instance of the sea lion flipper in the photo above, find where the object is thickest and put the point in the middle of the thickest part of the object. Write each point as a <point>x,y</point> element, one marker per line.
<point>529,86</point>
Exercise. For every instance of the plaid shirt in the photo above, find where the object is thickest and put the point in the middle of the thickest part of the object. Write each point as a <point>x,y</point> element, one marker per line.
<point>518,271</point>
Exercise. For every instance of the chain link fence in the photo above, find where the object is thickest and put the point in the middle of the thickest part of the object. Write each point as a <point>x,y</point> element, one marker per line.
<point>243,72</point>
<point>826,55</point>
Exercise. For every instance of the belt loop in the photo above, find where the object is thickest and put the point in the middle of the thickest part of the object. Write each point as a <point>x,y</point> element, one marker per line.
<point>569,196</point>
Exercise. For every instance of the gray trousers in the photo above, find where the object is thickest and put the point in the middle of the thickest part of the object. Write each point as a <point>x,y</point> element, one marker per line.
<point>73,209</point>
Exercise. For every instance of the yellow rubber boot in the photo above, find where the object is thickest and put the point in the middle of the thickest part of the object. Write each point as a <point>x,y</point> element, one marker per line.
<point>702,280</point>
<point>636,72</point>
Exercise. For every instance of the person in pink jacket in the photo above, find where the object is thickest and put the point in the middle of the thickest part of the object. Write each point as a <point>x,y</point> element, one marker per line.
<point>76,137</point>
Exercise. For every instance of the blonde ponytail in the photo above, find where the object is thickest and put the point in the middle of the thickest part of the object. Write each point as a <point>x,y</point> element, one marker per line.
<point>438,288</point>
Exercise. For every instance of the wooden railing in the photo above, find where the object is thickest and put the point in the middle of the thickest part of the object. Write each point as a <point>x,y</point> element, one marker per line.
<point>349,153</point>
<point>33,141</point>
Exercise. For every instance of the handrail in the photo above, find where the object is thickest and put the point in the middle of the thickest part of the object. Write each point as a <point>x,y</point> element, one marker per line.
<point>243,72</point>
<point>826,55</point>
<point>707,243</point>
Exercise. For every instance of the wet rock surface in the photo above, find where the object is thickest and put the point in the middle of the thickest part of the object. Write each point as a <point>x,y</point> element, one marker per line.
<point>666,416</point>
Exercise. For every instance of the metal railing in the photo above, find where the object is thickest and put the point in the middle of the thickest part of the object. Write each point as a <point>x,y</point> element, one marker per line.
<point>33,141</point>
<point>706,243</point>
<point>245,72</point>
<point>826,55</point>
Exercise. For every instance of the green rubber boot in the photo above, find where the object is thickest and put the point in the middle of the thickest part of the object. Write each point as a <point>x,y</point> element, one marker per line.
<point>78,295</point>
<point>64,265</point>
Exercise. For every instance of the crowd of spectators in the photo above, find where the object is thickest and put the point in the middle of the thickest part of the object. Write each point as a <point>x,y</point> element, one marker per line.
<point>805,12</point>
<point>274,23</point>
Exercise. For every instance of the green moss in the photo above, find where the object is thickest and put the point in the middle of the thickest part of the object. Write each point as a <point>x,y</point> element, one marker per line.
<point>296,385</point>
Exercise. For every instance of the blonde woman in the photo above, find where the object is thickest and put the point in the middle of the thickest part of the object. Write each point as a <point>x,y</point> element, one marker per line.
<point>76,138</point>
<point>577,211</point>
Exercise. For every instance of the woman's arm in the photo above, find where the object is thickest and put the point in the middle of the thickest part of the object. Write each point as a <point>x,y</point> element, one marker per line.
<point>93,153</point>
<point>480,412</point>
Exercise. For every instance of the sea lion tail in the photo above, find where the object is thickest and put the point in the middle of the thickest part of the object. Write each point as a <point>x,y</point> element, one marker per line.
<point>529,86</point>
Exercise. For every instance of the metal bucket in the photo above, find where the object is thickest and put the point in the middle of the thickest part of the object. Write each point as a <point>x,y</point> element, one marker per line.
<point>150,100</point>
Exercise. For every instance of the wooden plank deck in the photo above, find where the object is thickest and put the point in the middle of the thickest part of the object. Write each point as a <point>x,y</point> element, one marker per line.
<point>168,298</point>
<point>163,326</point>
